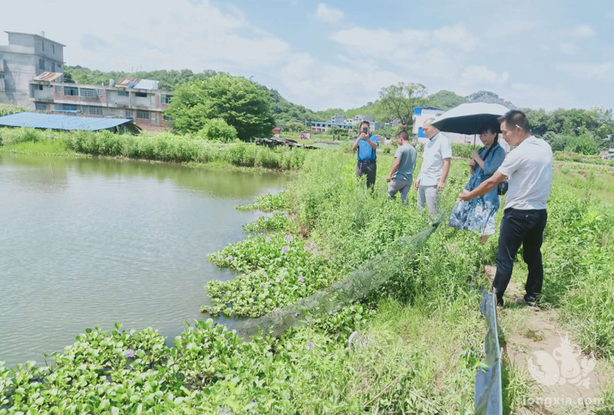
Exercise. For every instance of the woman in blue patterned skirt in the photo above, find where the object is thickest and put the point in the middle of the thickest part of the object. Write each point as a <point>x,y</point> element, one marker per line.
<point>479,214</point>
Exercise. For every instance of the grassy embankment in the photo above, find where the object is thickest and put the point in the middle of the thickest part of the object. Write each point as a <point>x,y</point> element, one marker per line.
<point>163,147</point>
<point>420,335</point>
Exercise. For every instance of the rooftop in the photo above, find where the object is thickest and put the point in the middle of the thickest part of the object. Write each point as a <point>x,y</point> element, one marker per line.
<point>32,34</point>
<point>137,83</point>
<point>60,122</point>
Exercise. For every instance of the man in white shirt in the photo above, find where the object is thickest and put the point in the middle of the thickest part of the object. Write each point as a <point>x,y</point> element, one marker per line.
<point>528,169</point>
<point>435,168</point>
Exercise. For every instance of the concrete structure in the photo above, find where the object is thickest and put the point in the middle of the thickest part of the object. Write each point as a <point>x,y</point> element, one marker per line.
<point>26,56</point>
<point>337,119</point>
<point>422,114</point>
<point>136,99</point>
<point>318,127</point>
<point>31,75</point>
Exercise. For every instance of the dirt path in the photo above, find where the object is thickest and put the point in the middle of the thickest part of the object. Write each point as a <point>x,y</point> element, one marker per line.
<point>561,379</point>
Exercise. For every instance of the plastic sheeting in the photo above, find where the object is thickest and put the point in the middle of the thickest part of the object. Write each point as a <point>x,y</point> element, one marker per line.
<point>488,387</point>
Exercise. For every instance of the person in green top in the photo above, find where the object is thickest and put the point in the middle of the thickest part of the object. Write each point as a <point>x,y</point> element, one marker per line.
<point>402,171</point>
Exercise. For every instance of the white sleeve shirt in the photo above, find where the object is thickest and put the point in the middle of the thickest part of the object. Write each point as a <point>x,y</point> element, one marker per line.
<point>529,171</point>
<point>435,152</point>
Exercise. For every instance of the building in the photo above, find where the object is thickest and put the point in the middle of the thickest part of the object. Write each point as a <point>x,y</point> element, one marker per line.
<point>338,119</point>
<point>318,127</point>
<point>25,57</point>
<point>420,115</point>
<point>31,75</point>
<point>136,99</point>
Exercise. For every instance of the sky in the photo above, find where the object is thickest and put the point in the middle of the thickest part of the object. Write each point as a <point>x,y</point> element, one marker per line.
<point>340,53</point>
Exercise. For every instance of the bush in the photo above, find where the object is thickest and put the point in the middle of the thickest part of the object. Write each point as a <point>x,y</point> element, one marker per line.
<point>10,109</point>
<point>217,129</point>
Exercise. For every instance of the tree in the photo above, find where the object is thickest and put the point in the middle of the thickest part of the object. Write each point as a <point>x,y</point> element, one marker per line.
<point>399,101</point>
<point>238,101</point>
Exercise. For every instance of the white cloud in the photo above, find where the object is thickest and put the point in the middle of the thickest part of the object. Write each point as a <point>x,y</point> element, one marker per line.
<point>583,31</point>
<point>568,48</point>
<point>328,15</point>
<point>588,70</point>
<point>321,85</point>
<point>527,95</point>
<point>482,76</point>
<point>457,36</point>
<point>172,35</point>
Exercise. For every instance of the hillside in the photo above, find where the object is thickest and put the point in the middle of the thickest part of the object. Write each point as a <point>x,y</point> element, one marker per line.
<point>285,112</point>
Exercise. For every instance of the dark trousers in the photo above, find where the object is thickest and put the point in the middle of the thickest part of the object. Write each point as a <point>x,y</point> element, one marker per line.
<point>369,168</point>
<point>524,227</point>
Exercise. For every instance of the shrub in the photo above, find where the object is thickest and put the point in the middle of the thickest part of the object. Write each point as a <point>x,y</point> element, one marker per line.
<point>217,129</point>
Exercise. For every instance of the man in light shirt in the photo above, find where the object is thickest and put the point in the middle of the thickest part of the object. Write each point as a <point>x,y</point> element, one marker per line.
<point>435,168</point>
<point>528,169</point>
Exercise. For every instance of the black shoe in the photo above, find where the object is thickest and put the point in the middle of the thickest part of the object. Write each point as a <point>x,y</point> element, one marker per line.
<point>500,302</point>
<point>531,300</point>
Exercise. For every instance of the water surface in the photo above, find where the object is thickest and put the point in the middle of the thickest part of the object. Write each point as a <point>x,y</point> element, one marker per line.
<point>87,242</point>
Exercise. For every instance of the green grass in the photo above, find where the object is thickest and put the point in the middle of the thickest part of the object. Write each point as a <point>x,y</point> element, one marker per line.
<point>163,147</point>
<point>420,335</point>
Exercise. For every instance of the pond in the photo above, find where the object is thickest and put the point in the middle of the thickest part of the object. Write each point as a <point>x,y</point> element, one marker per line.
<point>91,242</point>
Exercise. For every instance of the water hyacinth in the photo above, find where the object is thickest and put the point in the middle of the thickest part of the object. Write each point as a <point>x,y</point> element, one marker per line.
<point>288,239</point>
<point>229,257</point>
<point>129,354</point>
<point>284,249</point>
<point>301,279</point>
<point>267,240</point>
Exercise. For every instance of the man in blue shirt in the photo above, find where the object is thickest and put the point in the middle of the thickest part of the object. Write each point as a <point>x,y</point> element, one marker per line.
<point>366,144</point>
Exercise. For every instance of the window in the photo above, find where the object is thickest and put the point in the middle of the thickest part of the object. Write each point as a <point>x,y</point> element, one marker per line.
<point>100,92</point>
<point>58,89</point>
<point>1,75</point>
<point>88,93</point>
<point>52,66</point>
<point>129,114</point>
<point>166,99</point>
<point>96,110</point>
<point>141,94</point>
<point>71,90</point>
<point>40,106</point>
<point>69,107</point>
<point>43,45</point>
<point>37,87</point>
<point>144,115</point>
<point>122,93</point>
<point>53,48</point>
<point>41,64</point>
<point>167,118</point>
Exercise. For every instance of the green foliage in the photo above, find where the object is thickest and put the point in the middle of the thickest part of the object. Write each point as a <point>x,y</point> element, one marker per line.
<point>582,144</point>
<point>595,123</point>
<point>269,203</point>
<point>169,79</point>
<point>216,129</point>
<point>279,222</point>
<point>400,100</point>
<point>445,99</point>
<point>238,101</point>
<point>6,109</point>
<point>462,150</point>
<point>161,146</point>
<point>278,270</point>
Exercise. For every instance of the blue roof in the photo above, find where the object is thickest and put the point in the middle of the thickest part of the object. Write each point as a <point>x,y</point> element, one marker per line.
<point>60,122</point>
<point>418,110</point>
